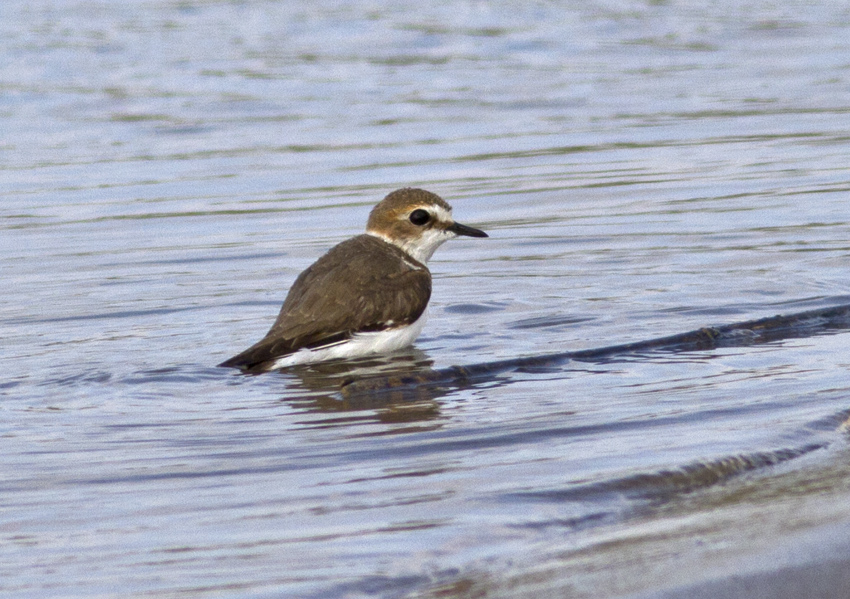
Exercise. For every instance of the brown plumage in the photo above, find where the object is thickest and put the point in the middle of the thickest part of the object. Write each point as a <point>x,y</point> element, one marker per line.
<point>342,293</point>
<point>372,283</point>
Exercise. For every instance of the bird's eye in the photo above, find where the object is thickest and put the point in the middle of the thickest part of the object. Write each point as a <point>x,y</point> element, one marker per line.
<point>419,217</point>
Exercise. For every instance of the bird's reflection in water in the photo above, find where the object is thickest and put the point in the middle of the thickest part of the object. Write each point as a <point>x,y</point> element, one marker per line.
<point>321,385</point>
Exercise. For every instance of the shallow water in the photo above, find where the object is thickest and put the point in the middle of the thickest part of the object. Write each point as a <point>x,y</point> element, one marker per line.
<point>643,169</point>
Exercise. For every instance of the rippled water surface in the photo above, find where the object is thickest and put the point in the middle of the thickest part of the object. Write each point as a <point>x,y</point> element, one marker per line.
<point>643,169</point>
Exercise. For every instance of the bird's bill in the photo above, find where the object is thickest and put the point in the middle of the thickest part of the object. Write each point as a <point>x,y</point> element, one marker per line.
<point>459,229</point>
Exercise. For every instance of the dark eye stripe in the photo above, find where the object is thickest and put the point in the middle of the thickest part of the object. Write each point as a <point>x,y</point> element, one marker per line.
<point>419,217</point>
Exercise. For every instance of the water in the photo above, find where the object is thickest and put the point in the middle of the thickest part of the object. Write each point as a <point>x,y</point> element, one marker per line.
<point>643,169</point>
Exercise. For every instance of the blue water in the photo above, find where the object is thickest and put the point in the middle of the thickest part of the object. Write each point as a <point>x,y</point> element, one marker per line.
<point>643,169</point>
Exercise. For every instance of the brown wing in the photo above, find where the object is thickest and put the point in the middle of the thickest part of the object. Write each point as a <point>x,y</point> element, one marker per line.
<point>363,284</point>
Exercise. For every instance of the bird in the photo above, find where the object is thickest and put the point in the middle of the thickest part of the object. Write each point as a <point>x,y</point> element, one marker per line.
<point>367,295</point>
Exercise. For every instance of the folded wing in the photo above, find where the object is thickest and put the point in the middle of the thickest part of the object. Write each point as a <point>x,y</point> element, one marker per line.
<point>363,284</point>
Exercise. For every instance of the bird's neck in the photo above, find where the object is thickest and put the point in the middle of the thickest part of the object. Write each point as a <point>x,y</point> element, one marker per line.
<point>420,248</point>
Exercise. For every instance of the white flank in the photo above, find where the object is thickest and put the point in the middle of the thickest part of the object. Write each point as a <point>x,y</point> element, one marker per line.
<point>361,344</point>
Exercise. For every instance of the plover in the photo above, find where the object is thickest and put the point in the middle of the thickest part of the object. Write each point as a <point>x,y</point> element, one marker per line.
<point>367,295</point>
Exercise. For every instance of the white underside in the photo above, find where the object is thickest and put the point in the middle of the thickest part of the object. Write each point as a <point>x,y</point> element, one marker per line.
<point>361,344</point>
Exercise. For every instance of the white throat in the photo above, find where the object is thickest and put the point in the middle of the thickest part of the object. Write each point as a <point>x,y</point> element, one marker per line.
<point>420,248</point>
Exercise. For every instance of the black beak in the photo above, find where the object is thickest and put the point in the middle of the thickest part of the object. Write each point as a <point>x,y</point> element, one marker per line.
<point>459,229</point>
